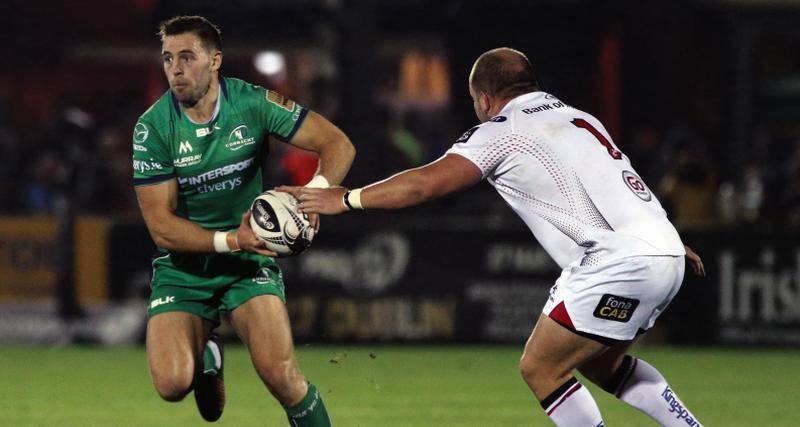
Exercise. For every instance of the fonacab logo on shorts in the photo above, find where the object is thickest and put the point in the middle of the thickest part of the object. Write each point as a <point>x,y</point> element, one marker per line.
<point>616,308</point>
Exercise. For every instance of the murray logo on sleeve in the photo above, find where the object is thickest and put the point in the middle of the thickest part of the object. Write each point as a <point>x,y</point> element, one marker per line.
<point>616,308</point>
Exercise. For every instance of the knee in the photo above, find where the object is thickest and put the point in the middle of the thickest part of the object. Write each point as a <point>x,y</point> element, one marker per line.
<point>543,375</point>
<point>283,380</point>
<point>173,388</point>
<point>531,372</point>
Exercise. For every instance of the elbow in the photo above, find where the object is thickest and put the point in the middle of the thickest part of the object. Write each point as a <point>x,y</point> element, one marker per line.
<point>160,240</point>
<point>159,232</point>
<point>348,150</point>
<point>343,146</point>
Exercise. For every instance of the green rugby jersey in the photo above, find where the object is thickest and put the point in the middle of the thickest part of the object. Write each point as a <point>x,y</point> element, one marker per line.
<point>217,164</point>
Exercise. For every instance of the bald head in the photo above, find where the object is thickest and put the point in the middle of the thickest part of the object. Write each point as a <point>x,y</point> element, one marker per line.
<point>503,73</point>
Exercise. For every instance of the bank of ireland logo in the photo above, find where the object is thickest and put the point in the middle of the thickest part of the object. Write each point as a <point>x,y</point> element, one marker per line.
<point>636,185</point>
<point>140,133</point>
<point>239,137</point>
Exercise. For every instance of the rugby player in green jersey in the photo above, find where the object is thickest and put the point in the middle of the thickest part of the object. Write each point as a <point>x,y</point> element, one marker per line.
<point>196,155</point>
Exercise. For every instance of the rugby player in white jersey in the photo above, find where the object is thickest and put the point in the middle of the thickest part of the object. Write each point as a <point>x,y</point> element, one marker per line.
<point>622,259</point>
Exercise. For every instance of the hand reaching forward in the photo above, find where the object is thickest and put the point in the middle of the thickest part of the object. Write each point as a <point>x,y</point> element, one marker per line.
<point>326,201</point>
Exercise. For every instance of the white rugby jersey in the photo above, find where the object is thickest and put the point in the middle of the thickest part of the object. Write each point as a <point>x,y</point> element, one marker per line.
<point>558,168</point>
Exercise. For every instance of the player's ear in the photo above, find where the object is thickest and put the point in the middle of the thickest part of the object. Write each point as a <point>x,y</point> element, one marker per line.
<point>216,60</point>
<point>485,102</point>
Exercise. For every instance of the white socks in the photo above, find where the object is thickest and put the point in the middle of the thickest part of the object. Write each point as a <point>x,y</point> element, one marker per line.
<point>636,383</point>
<point>640,385</point>
<point>571,405</point>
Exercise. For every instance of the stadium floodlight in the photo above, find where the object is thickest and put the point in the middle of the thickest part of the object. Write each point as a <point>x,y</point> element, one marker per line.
<point>269,62</point>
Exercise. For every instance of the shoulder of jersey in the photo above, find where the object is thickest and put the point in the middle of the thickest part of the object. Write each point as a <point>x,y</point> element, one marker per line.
<point>155,119</point>
<point>245,94</point>
<point>239,86</point>
<point>489,127</point>
<point>159,111</point>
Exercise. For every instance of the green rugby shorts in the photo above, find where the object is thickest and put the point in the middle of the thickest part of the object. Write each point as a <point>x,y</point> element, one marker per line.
<point>205,284</point>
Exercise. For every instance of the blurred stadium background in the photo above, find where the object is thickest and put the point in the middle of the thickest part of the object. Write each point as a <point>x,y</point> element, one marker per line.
<point>703,95</point>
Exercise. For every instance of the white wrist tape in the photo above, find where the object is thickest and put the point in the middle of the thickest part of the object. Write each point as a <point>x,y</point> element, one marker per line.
<point>355,198</point>
<point>318,181</point>
<point>221,242</point>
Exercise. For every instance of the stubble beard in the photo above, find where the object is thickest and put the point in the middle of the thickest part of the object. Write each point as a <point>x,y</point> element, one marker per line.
<point>192,100</point>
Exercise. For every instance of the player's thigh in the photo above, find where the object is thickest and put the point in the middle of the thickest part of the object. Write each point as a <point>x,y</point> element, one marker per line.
<point>553,351</point>
<point>175,340</point>
<point>262,323</point>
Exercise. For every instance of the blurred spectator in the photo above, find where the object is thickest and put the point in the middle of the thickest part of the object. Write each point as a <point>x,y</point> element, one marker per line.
<point>40,193</point>
<point>751,198</point>
<point>114,190</point>
<point>688,189</point>
<point>9,169</point>
<point>648,152</point>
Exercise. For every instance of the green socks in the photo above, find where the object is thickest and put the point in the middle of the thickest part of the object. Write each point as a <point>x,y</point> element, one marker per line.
<point>310,412</point>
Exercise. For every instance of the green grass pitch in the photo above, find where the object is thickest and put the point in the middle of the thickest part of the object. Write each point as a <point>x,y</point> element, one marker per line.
<point>383,386</point>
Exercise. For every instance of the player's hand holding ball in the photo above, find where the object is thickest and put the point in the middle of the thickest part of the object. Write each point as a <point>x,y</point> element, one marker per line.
<point>278,225</point>
<point>247,239</point>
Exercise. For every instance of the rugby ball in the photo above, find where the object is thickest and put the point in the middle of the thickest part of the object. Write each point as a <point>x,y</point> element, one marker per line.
<point>275,220</point>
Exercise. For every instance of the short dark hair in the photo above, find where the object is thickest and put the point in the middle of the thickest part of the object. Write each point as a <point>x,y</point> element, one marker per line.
<point>209,34</point>
<point>504,73</point>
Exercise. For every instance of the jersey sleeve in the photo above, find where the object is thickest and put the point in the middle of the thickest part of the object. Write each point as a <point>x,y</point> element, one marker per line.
<point>282,116</point>
<point>152,162</point>
<point>479,148</point>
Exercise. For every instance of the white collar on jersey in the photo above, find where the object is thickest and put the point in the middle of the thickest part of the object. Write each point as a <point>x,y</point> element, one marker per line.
<point>522,98</point>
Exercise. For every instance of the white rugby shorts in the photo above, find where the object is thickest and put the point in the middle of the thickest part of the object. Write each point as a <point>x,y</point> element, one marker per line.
<point>615,299</point>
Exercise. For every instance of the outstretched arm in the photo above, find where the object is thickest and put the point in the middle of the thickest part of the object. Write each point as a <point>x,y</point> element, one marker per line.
<point>450,173</point>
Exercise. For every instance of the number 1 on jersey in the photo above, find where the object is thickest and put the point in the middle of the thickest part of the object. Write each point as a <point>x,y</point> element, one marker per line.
<point>583,124</point>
